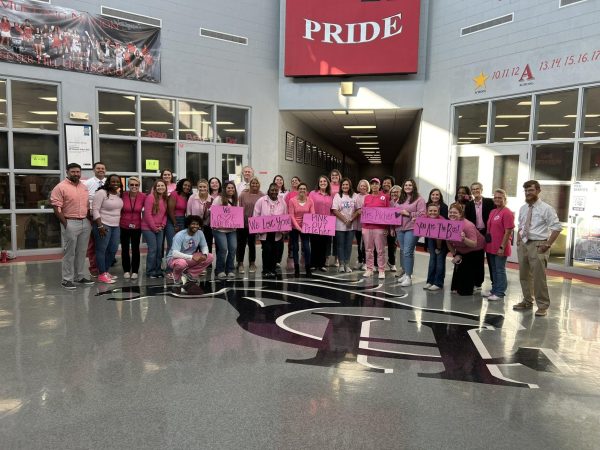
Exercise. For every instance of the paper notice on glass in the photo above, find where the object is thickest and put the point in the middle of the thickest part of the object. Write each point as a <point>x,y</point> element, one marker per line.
<point>78,140</point>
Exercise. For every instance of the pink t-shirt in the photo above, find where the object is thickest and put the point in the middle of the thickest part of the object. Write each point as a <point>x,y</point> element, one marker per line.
<point>151,221</point>
<point>499,221</point>
<point>107,208</point>
<point>471,233</point>
<point>415,209</point>
<point>375,201</point>
<point>297,211</point>
<point>345,205</point>
<point>180,204</point>
<point>322,202</point>
<point>290,195</point>
<point>334,188</point>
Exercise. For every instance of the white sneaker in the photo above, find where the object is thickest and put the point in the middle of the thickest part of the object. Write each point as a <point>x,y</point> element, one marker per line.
<point>134,276</point>
<point>363,267</point>
<point>341,269</point>
<point>407,282</point>
<point>400,274</point>
<point>241,268</point>
<point>427,286</point>
<point>402,278</point>
<point>358,266</point>
<point>368,273</point>
<point>494,297</point>
<point>127,275</point>
<point>381,275</point>
<point>390,267</point>
<point>486,293</point>
<point>348,269</point>
<point>434,288</point>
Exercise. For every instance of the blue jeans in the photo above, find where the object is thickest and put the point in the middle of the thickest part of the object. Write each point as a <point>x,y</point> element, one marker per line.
<point>407,241</point>
<point>437,264</point>
<point>305,239</point>
<point>344,245</point>
<point>498,269</point>
<point>226,250</point>
<point>153,258</point>
<point>106,247</point>
<point>170,230</point>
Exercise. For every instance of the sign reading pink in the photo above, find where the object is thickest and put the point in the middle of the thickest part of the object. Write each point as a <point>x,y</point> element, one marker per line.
<point>318,224</point>
<point>226,216</point>
<point>438,228</point>
<point>381,216</point>
<point>269,224</point>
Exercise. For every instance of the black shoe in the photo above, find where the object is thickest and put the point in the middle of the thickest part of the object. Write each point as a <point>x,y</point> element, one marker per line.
<point>308,273</point>
<point>85,281</point>
<point>269,275</point>
<point>296,270</point>
<point>68,285</point>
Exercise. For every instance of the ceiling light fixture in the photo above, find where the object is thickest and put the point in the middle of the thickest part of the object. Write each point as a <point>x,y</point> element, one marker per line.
<point>512,116</point>
<point>117,113</point>
<point>553,125</point>
<point>44,113</point>
<point>49,99</point>
<point>360,127</point>
<point>365,136</point>
<point>342,113</point>
<point>235,130</point>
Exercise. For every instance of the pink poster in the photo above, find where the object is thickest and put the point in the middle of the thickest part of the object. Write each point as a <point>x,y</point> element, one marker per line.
<point>438,228</point>
<point>381,216</point>
<point>318,224</point>
<point>269,224</point>
<point>226,216</point>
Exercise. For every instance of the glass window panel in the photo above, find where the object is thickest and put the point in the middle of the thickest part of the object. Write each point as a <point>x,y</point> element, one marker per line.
<point>36,151</point>
<point>33,191</point>
<point>5,237</point>
<point>121,154</point>
<point>37,231</point>
<point>553,162</point>
<point>471,123</point>
<point>231,125</point>
<point>3,150</point>
<point>157,154</point>
<point>558,197</point>
<point>506,171</point>
<point>556,115</point>
<point>589,161</point>
<point>195,121</point>
<point>196,167</point>
<point>116,114</point>
<point>148,182</point>
<point>34,105</point>
<point>467,170</point>
<point>2,103</point>
<point>231,165</point>
<point>4,191</point>
<point>511,120</point>
<point>591,119</point>
<point>157,117</point>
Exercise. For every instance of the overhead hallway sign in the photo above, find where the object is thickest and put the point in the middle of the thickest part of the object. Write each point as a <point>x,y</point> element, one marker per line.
<point>351,37</point>
<point>60,38</point>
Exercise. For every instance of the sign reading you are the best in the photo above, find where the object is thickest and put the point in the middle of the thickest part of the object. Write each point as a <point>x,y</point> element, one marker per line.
<point>448,230</point>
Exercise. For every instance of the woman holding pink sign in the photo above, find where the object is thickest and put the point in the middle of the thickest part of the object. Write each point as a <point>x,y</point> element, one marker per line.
<point>321,197</point>
<point>226,238</point>
<point>375,235</point>
<point>272,243</point>
<point>247,201</point>
<point>345,210</point>
<point>363,190</point>
<point>298,206</point>
<point>463,252</point>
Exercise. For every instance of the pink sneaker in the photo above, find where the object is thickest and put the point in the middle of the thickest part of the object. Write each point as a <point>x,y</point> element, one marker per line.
<point>105,278</point>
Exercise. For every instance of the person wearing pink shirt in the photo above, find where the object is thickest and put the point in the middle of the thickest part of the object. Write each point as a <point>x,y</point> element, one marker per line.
<point>322,199</point>
<point>154,220</point>
<point>464,252</point>
<point>363,189</point>
<point>335,177</point>
<point>298,206</point>
<point>247,200</point>
<point>272,243</point>
<point>199,205</point>
<point>345,210</point>
<point>374,235</point>
<point>131,228</point>
<point>411,206</point>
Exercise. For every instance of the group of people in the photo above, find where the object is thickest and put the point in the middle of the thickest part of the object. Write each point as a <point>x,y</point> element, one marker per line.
<point>175,221</point>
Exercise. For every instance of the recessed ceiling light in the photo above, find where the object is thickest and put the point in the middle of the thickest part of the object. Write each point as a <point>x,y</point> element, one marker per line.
<point>369,148</point>
<point>117,113</point>
<point>235,130</point>
<point>512,116</point>
<point>357,111</point>
<point>365,136</point>
<point>38,122</point>
<point>44,113</point>
<point>553,125</point>
<point>192,113</point>
<point>360,127</point>
<point>514,138</point>
<point>155,122</point>
<point>49,99</point>
<point>477,132</point>
<point>542,103</point>
<point>126,129</point>
<point>367,143</point>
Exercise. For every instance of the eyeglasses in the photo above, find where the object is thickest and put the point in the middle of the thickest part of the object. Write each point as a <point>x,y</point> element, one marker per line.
<point>133,185</point>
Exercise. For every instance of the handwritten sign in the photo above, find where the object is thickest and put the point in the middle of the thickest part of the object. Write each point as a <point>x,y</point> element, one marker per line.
<point>318,224</point>
<point>381,216</point>
<point>226,216</point>
<point>269,224</point>
<point>438,228</point>
<point>152,164</point>
<point>39,160</point>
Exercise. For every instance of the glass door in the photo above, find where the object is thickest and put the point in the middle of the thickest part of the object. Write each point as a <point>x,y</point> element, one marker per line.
<point>196,161</point>
<point>503,166</point>
<point>230,159</point>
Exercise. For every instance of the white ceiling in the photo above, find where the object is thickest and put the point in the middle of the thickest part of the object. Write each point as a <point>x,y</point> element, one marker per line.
<point>392,128</point>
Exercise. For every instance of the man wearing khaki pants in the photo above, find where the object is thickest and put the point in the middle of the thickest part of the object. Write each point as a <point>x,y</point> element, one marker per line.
<point>538,229</point>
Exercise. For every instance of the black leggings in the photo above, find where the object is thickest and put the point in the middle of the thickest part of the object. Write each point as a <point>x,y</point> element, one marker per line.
<point>130,236</point>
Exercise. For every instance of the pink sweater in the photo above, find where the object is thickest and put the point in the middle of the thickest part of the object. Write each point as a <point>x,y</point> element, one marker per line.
<point>131,214</point>
<point>297,211</point>
<point>415,209</point>
<point>322,202</point>
<point>107,208</point>
<point>152,221</point>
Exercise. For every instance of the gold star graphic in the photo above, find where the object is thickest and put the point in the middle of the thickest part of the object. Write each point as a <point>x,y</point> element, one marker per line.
<point>480,80</point>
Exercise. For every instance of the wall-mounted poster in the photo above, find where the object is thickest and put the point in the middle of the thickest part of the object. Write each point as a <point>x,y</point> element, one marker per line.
<point>308,153</point>
<point>315,156</point>
<point>78,140</point>
<point>300,150</point>
<point>290,146</point>
<point>61,38</point>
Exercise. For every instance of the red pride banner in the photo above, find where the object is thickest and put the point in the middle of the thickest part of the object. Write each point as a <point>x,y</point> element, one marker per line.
<point>351,37</point>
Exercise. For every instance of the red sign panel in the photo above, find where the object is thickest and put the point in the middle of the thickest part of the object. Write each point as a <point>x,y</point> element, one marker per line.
<point>351,37</point>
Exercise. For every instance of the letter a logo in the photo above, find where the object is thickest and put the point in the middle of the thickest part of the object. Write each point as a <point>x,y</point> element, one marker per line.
<point>527,75</point>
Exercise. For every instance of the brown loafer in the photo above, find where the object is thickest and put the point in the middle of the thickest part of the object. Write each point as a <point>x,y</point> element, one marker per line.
<point>541,312</point>
<point>522,306</point>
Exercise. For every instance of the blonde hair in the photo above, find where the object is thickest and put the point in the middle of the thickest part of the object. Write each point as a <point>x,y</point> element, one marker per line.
<point>366,182</point>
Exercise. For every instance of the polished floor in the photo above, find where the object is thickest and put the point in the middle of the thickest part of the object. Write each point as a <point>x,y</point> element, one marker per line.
<point>336,361</point>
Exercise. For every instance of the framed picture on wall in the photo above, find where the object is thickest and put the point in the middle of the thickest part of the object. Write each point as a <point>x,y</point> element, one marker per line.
<point>308,153</point>
<point>315,156</point>
<point>290,146</point>
<point>300,150</point>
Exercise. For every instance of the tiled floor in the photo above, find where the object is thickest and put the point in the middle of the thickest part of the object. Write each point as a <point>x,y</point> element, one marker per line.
<point>336,361</point>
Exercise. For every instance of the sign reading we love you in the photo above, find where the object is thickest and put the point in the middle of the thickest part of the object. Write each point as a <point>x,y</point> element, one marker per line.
<point>438,228</point>
<point>318,224</point>
<point>269,224</point>
<point>226,216</point>
<point>381,216</point>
